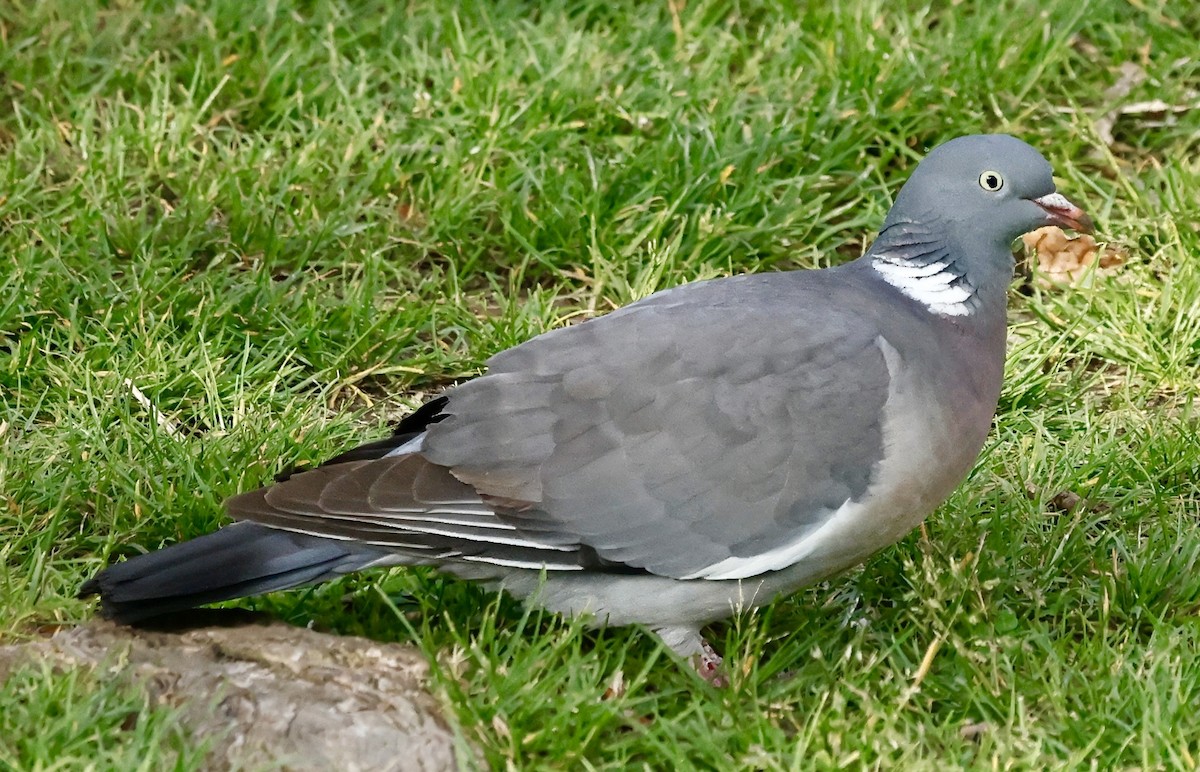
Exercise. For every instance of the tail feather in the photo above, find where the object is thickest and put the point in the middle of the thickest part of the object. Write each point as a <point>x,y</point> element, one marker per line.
<point>237,561</point>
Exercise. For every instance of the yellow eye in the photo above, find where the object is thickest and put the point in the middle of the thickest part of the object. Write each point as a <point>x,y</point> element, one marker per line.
<point>991,181</point>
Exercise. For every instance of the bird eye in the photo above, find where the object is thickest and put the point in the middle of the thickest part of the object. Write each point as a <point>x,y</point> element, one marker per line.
<point>991,181</point>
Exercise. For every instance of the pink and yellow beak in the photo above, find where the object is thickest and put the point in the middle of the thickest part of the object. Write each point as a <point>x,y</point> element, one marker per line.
<point>1061,212</point>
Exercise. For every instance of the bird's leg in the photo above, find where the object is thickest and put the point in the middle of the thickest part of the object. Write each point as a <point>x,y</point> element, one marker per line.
<point>708,665</point>
<point>687,643</point>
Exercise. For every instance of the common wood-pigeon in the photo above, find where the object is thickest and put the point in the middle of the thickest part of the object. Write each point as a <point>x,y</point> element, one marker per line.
<point>709,448</point>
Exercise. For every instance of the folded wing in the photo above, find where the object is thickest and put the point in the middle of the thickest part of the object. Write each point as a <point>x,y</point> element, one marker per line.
<point>709,423</point>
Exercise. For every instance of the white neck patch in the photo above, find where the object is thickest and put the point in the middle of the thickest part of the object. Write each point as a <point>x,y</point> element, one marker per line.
<point>930,283</point>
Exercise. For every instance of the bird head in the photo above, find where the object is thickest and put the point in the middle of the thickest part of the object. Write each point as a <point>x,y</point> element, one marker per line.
<point>990,185</point>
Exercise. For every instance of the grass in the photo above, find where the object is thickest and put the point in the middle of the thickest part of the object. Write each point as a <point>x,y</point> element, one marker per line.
<point>285,223</point>
<point>77,719</point>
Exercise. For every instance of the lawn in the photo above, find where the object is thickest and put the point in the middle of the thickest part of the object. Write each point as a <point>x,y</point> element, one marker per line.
<point>239,236</point>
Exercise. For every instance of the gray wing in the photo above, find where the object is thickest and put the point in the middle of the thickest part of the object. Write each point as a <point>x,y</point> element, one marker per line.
<point>715,421</point>
<point>406,505</point>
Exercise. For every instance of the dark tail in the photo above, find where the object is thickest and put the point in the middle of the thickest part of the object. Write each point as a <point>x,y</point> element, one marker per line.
<point>237,561</point>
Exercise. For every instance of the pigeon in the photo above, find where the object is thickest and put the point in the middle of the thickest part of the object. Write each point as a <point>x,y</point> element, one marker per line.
<point>707,449</point>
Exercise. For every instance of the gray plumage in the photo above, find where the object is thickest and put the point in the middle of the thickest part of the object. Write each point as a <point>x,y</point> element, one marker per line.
<point>708,448</point>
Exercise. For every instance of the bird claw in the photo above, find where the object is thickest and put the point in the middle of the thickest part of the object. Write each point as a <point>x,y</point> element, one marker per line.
<point>707,664</point>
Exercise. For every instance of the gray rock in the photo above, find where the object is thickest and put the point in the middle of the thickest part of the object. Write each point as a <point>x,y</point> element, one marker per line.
<point>271,695</point>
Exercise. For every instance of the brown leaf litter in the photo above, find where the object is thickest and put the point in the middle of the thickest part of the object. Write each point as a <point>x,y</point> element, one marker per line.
<point>1066,261</point>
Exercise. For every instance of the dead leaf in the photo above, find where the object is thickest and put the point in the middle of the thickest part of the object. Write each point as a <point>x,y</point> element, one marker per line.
<point>501,727</point>
<point>1129,77</point>
<point>410,216</point>
<point>1065,501</point>
<point>1086,47</point>
<point>1062,260</point>
<point>616,686</point>
<point>974,731</point>
<point>1153,112</point>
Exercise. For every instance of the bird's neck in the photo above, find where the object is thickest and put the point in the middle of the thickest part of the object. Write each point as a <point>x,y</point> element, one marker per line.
<point>928,262</point>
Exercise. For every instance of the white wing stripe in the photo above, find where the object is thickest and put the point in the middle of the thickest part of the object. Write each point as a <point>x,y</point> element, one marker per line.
<point>486,538</point>
<point>776,559</point>
<point>480,519</point>
<point>336,537</point>
<point>412,446</point>
<point>473,532</point>
<point>521,563</point>
<point>494,525</point>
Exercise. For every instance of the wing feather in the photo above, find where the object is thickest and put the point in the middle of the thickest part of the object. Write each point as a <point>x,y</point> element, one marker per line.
<point>704,425</point>
<point>708,422</point>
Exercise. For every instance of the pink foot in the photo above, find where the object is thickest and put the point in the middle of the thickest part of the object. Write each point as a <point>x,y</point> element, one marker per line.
<point>708,665</point>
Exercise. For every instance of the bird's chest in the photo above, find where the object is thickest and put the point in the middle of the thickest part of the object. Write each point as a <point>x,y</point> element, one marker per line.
<point>935,423</point>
